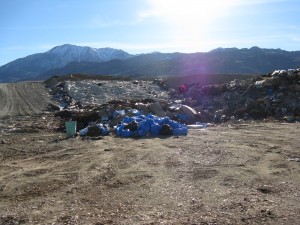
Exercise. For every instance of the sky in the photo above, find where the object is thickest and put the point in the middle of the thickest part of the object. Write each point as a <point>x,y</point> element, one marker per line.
<point>143,26</point>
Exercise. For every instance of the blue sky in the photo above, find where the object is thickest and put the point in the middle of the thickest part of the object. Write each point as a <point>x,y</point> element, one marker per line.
<point>141,26</point>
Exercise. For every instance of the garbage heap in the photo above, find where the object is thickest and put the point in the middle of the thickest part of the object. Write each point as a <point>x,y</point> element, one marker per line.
<point>141,126</point>
<point>131,118</point>
<point>275,95</point>
<point>83,93</point>
<point>99,106</point>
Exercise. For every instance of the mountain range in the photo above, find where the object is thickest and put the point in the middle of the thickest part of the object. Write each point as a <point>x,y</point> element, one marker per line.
<point>71,59</point>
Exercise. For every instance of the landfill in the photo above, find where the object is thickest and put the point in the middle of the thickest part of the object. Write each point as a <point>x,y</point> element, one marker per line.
<point>125,108</point>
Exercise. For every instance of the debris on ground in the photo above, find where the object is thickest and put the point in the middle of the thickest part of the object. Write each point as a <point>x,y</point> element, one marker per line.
<point>275,95</point>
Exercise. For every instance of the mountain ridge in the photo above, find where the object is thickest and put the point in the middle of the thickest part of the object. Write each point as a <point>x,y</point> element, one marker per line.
<point>70,59</point>
<point>32,66</point>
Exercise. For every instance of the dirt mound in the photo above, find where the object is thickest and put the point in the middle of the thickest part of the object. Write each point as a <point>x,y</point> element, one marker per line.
<point>21,99</point>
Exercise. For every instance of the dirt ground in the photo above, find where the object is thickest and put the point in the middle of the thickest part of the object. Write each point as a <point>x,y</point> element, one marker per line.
<point>243,173</point>
<point>25,98</point>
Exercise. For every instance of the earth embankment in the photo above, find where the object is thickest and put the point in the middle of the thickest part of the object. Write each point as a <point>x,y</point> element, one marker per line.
<point>22,99</point>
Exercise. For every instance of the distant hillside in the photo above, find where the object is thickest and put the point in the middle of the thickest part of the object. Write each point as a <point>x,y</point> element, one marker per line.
<point>69,59</point>
<point>233,60</point>
<point>32,66</point>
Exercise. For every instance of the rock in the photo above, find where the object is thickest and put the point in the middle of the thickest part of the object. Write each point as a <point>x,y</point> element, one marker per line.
<point>283,111</point>
<point>3,141</point>
<point>156,109</point>
<point>279,95</point>
<point>289,118</point>
<point>297,87</point>
<point>142,107</point>
<point>294,159</point>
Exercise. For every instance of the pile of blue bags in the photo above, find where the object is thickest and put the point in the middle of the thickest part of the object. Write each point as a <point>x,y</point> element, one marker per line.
<point>140,126</point>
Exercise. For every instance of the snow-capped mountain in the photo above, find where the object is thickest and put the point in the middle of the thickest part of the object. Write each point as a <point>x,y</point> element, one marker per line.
<point>71,53</point>
<point>32,66</point>
<point>70,59</point>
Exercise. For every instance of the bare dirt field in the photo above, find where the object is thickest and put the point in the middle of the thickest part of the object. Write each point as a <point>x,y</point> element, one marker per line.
<point>26,98</point>
<point>243,173</point>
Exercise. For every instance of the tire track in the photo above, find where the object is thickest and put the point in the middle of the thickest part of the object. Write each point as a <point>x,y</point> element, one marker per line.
<point>23,99</point>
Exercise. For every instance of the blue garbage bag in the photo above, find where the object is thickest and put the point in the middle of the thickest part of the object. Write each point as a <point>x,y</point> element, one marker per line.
<point>149,125</point>
<point>119,129</point>
<point>84,131</point>
<point>183,130</point>
<point>127,133</point>
<point>104,129</point>
<point>155,129</point>
<point>141,133</point>
<point>127,119</point>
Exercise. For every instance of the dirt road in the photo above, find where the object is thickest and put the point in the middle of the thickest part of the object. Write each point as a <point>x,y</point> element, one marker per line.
<point>26,98</point>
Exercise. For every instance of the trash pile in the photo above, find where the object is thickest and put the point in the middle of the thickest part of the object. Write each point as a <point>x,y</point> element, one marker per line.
<point>77,94</point>
<point>109,107</point>
<point>144,108</point>
<point>275,95</point>
<point>149,116</point>
<point>137,126</point>
<point>141,126</point>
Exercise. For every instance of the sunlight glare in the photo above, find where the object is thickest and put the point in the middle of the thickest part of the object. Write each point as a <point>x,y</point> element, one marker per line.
<point>189,20</point>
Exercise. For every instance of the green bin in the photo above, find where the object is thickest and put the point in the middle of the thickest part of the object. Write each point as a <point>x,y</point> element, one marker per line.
<point>71,128</point>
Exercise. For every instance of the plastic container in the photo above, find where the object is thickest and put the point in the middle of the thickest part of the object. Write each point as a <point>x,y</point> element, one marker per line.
<point>71,128</point>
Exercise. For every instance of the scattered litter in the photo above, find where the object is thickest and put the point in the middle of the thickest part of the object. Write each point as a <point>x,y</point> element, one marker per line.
<point>198,125</point>
<point>294,159</point>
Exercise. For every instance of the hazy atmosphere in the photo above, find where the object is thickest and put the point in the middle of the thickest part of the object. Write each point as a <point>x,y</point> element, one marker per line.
<point>142,26</point>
